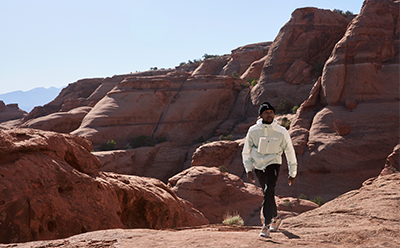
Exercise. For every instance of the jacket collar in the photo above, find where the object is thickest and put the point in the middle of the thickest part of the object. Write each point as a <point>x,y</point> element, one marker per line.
<point>272,125</point>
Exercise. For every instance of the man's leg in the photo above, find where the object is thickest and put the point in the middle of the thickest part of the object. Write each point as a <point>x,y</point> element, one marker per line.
<point>267,179</point>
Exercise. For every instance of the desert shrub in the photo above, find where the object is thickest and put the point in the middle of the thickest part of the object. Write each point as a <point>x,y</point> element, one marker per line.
<point>347,13</point>
<point>302,196</point>
<point>210,56</point>
<point>252,81</point>
<point>233,219</point>
<point>223,169</point>
<point>110,145</point>
<point>161,139</point>
<point>143,140</point>
<point>287,203</point>
<point>285,122</point>
<point>295,108</point>
<point>235,74</point>
<point>128,146</point>
<point>318,67</point>
<point>282,106</point>
<point>226,137</point>
<point>318,200</point>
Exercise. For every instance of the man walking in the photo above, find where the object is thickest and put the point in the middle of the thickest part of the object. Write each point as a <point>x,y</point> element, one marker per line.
<point>265,142</point>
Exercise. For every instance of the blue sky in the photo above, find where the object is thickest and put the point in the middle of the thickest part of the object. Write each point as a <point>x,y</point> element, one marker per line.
<point>48,43</point>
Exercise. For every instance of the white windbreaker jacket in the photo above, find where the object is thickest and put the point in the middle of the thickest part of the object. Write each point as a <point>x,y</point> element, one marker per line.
<point>265,144</point>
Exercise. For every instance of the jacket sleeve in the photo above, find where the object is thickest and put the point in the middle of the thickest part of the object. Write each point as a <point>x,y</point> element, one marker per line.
<point>247,159</point>
<point>290,154</point>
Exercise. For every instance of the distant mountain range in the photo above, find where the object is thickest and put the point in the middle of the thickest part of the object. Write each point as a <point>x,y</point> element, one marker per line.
<point>27,100</point>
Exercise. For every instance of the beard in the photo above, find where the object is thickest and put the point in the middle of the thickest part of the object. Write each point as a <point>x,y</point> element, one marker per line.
<point>268,120</point>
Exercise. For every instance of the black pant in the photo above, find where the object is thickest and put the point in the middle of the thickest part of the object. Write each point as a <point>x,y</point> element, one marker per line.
<point>267,179</point>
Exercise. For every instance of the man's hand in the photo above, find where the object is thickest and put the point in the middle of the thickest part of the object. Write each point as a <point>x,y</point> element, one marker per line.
<point>251,177</point>
<point>291,180</point>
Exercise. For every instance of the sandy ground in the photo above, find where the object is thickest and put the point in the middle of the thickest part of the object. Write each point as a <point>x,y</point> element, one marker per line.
<point>228,236</point>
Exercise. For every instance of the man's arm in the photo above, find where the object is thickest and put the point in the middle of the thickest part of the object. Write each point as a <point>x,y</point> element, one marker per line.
<point>290,156</point>
<point>246,153</point>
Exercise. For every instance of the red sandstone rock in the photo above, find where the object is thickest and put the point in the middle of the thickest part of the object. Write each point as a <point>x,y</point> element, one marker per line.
<point>216,193</point>
<point>392,162</point>
<point>364,63</point>
<point>341,127</point>
<point>243,57</point>
<point>80,89</point>
<point>51,188</point>
<point>161,161</point>
<point>355,70</point>
<point>10,112</point>
<point>254,70</point>
<point>211,66</point>
<point>350,104</point>
<point>227,154</point>
<point>304,43</point>
<point>366,217</point>
<point>173,106</point>
<point>62,122</point>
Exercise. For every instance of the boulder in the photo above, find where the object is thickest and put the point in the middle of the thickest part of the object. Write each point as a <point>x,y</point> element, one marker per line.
<point>224,155</point>
<point>51,188</point>
<point>217,194</point>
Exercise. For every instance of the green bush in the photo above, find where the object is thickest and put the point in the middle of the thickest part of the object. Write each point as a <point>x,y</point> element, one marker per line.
<point>143,140</point>
<point>210,56</point>
<point>252,81</point>
<point>235,74</point>
<point>346,14</point>
<point>110,145</point>
<point>282,106</point>
<point>318,200</point>
<point>295,108</point>
<point>223,169</point>
<point>226,137</point>
<point>128,146</point>
<point>302,196</point>
<point>287,203</point>
<point>285,122</point>
<point>161,139</point>
<point>231,219</point>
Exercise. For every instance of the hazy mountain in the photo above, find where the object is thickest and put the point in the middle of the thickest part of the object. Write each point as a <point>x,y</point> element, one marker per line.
<point>27,100</point>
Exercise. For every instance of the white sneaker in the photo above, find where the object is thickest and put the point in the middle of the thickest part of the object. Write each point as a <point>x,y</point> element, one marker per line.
<point>265,231</point>
<point>276,222</point>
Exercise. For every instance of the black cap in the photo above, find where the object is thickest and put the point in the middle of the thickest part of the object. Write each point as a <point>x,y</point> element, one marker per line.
<point>265,106</point>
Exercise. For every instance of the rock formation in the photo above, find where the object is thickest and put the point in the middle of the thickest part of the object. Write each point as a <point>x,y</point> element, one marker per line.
<point>62,122</point>
<point>350,122</point>
<point>174,107</point>
<point>161,161</point>
<point>297,55</point>
<point>51,188</point>
<point>10,112</point>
